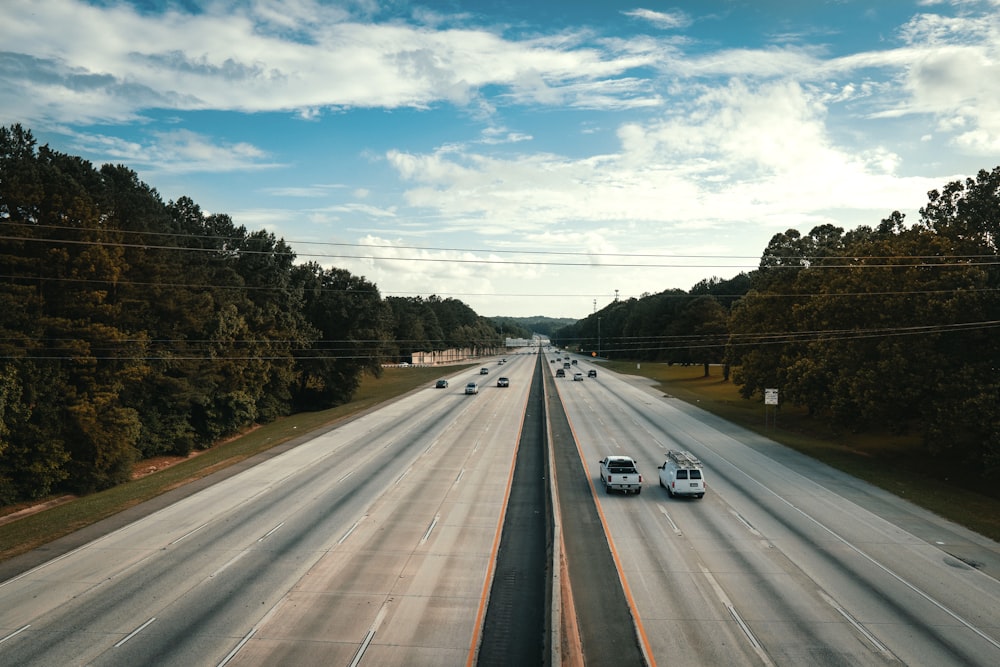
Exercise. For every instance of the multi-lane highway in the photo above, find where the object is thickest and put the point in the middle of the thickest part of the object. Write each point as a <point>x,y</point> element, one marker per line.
<point>772,567</point>
<point>374,543</point>
<point>371,544</point>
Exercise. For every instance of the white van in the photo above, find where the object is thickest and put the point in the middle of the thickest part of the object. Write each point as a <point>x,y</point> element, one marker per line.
<point>682,475</point>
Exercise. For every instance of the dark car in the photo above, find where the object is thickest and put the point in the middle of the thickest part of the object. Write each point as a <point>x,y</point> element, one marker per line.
<point>591,373</point>
<point>560,373</point>
<point>503,382</point>
<point>441,384</point>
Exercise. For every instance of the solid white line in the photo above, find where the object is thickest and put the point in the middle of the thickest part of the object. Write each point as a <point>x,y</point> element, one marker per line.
<point>879,646</point>
<point>746,629</point>
<point>226,565</point>
<point>369,636</point>
<point>430,528</point>
<point>674,525</point>
<point>724,599</point>
<point>351,530</point>
<point>745,523</point>
<point>271,532</point>
<point>135,632</point>
<point>15,633</point>
<point>237,648</point>
<point>187,534</point>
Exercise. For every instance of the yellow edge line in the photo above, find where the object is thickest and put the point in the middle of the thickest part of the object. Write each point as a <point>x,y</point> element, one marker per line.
<point>477,630</point>
<point>646,649</point>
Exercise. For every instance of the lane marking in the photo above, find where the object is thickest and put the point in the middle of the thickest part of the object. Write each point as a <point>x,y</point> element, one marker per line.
<point>430,529</point>
<point>134,632</point>
<point>271,532</point>
<point>188,534</point>
<point>674,525</point>
<point>351,530</point>
<point>237,648</point>
<point>345,476</point>
<point>226,565</point>
<point>724,599</point>
<point>746,629</point>
<point>461,473</point>
<point>15,633</point>
<point>746,523</point>
<point>644,645</point>
<point>879,646</point>
<point>484,595</point>
<point>871,559</point>
<point>371,635</point>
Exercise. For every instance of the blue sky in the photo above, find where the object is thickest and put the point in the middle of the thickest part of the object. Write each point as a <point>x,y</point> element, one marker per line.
<point>528,158</point>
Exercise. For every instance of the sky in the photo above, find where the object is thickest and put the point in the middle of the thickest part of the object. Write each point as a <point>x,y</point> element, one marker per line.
<point>525,157</point>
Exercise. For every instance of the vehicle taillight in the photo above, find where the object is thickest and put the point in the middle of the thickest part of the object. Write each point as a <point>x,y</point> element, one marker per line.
<point>640,479</point>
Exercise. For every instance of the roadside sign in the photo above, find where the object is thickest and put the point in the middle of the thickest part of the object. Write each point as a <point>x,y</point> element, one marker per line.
<point>770,397</point>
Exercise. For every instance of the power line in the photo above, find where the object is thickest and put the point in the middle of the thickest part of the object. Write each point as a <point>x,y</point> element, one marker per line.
<point>852,260</point>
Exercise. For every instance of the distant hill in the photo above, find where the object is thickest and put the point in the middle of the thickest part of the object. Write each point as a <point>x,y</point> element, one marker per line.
<point>536,324</point>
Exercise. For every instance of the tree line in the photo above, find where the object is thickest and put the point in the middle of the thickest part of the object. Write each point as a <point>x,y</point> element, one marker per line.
<point>131,327</point>
<point>890,326</point>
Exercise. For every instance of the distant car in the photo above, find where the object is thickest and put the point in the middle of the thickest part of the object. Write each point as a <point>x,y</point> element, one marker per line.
<point>591,373</point>
<point>472,388</point>
<point>503,382</point>
<point>577,377</point>
<point>484,371</point>
<point>560,373</point>
<point>552,361</point>
<point>566,364</point>
<point>573,362</point>
<point>441,384</point>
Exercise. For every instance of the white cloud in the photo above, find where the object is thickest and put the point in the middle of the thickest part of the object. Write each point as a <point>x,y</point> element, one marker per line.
<point>176,152</point>
<point>80,62</point>
<point>664,20</point>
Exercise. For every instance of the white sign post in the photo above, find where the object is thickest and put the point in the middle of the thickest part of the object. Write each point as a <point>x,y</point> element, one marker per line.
<point>771,398</point>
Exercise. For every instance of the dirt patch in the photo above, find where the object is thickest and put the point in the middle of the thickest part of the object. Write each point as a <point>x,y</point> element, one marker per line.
<point>158,463</point>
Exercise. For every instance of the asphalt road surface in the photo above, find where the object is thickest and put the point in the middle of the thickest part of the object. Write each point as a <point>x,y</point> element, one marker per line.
<point>372,544</point>
<point>376,543</point>
<point>784,561</point>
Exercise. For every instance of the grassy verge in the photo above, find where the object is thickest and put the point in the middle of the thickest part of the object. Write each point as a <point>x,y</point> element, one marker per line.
<point>38,528</point>
<point>894,463</point>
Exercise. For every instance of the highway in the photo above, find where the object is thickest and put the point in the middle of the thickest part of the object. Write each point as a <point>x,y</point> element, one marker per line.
<point>371,544</point>
<point>772,567</point>
<point>374,544</point>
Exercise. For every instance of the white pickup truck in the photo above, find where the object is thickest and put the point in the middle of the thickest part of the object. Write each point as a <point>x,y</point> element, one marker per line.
<point>618,473</point>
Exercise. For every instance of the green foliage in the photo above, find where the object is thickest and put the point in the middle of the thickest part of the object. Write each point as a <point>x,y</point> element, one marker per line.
<point>131,328</point>
<point>892,326</point>
<point>672,326</point>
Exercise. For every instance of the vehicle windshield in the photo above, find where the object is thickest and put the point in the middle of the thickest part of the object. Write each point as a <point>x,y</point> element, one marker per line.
<point>695,474</point>
<point>682,474</point>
